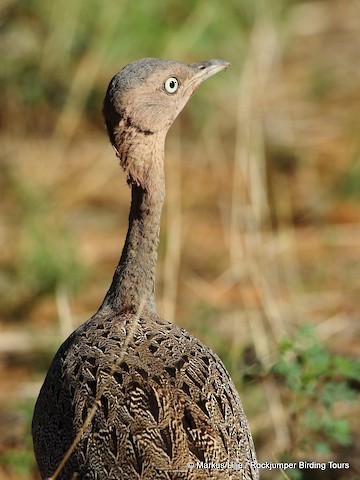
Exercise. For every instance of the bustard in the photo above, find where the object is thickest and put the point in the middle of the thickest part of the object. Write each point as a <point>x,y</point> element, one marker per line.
<point>131,395</point>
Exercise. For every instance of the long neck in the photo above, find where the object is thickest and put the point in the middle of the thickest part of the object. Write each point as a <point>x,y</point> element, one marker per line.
<point>134,279</point>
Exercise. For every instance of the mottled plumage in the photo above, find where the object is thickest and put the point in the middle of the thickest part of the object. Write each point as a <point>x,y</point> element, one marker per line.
<point>156,403</point>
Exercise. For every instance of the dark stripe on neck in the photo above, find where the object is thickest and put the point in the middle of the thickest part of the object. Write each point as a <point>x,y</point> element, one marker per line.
<point>130,124</point>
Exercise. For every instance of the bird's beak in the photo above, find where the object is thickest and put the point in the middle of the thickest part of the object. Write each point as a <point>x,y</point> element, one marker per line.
<point>206,69</point>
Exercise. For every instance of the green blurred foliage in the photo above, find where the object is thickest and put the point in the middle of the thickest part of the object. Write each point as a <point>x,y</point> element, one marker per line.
<point>20,462</point>
<point>316,380</point>
<point>349,185</point>
<point>44,255</point>
<point>46,46</point>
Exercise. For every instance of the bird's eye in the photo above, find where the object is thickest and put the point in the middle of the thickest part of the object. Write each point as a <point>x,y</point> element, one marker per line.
<point>171,85</point>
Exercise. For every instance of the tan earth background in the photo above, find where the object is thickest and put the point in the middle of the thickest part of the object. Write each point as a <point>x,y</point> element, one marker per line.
<point>260,240</point>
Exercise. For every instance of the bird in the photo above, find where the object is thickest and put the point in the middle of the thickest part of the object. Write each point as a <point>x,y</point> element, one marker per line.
<point>129,395</point>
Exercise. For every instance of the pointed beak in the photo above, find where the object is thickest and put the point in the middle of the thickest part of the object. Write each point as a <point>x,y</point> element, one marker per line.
<point>206,69</point>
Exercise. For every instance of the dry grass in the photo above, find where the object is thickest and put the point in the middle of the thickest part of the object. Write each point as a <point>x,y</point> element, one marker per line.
<point>257,239</point>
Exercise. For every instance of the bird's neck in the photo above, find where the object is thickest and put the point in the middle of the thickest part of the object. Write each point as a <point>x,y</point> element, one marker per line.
<point>134,279</point>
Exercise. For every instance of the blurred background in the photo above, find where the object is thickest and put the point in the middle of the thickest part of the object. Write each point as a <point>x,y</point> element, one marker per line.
<point>260,242</point>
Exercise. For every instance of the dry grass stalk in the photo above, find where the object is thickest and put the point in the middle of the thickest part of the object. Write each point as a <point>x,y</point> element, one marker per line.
<point>66,319</point>
<point>250,210</point>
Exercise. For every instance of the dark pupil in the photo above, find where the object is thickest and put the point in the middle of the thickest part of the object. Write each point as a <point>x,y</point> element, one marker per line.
<point>172,84</point>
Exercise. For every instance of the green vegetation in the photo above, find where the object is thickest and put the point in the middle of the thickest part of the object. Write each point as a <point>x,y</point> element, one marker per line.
<point>267,200</point>
<point>62,53</point>
<point>349,185</point>
<point>18,462</point>
<point>317,381</point>
<point>44,257</point>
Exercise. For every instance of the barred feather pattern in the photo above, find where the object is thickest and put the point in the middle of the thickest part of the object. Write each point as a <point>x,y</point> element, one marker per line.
<point>166,411</point>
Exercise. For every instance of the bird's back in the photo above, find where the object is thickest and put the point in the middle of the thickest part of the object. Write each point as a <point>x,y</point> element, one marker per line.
<point>163,406</point>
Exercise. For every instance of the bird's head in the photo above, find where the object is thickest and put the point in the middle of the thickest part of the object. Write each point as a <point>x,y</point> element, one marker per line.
<point>143,100</point>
